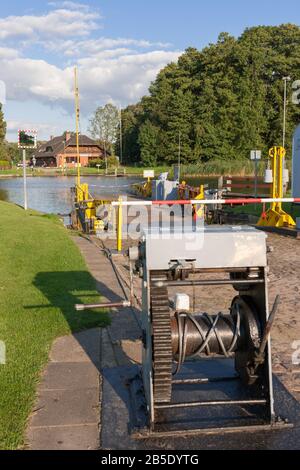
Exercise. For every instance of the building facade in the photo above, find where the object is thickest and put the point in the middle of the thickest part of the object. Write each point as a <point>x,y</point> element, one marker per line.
<point>61,152</point>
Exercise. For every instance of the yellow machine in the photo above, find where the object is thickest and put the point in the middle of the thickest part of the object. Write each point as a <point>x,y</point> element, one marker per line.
<point>143,190</point>
<point>85,211</point>
<point>276,216</point>
<point>186,192</point>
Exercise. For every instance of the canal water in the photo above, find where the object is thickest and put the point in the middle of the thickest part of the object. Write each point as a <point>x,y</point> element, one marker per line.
<point>53,195</point>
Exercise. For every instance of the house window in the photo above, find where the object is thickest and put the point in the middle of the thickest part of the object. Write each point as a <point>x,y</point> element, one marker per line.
<point>49,149</point>
<point>70,160</point>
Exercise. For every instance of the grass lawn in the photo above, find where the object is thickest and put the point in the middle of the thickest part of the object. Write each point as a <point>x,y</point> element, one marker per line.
<point>256,209</point>
<point>130,171</point>
<point>12,171</point>
<point>42,276</point>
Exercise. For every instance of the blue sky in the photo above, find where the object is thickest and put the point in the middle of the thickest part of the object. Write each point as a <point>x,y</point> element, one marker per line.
<point>118,45</point>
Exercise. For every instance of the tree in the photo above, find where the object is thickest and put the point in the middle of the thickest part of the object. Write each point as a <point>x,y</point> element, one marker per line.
<point>2,126</point>
<point>148,140</point>
<point>3,154</point>
<point>70,133</point>
<point>131,121</point>
<point>223,100</point>
<point>104,125</point>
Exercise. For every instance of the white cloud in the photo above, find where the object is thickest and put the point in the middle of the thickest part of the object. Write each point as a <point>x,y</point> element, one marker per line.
<point>28,78</point>
<point>118,69</point>
<point>8,53</point>
<point>70,5</point>
<point>121,78</point>
<point>42,128</point>
<point>92,47</point>
<point>62,23</point>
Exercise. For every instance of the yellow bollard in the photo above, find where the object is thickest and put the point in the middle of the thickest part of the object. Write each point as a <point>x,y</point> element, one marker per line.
<point>120,223</point>
<point>276,216</point>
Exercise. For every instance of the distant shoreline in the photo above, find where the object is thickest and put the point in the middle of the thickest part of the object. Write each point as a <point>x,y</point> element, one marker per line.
<point>128,175</point>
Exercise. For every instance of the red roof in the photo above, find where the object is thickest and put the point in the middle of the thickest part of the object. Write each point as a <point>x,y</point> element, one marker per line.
<point>58,145</point>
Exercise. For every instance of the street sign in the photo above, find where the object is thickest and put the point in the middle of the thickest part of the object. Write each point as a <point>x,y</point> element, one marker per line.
<point>176,172</point>
<point>27,139</point>
<point>255,155</point>
<point>149,174</point>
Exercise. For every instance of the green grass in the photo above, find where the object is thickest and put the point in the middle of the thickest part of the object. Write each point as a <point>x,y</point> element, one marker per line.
<point>212,168</point>
<point>19,172</point>
<point>11,171</point>
<point>226,168</point>
<point>130,170</point>
<point>42,276</point>
<point>256,209</point>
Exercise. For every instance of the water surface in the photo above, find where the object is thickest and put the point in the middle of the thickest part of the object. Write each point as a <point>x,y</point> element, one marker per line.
<point>53,195</point>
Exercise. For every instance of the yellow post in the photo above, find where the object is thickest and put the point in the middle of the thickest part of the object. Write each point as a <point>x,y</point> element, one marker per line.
<point>199,211</point>
<point>276,216</point>
<point>119,227</point>
<point>277,154</point>
<point>77,114</point>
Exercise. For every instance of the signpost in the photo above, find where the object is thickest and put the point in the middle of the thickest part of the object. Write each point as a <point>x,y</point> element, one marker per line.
<point>26,140</point>
<point>255,156</point>
<point>149,174</point>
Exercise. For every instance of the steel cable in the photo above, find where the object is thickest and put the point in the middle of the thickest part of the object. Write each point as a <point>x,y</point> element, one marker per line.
<point>182,321</point>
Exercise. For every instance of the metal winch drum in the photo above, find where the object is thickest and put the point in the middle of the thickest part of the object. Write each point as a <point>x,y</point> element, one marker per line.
<point>221,256</point>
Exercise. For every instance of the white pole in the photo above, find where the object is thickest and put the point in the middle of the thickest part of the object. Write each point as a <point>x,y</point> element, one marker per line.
<point>179,156</point>
<point>284,111</point>
<point>121,138</point>
<point>285,79</point>
<point>105,156</point>
<point>25,180</point>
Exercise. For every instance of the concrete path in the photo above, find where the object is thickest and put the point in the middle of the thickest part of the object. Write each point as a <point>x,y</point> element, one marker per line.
<point>120,342</point>
<point>67,414</point>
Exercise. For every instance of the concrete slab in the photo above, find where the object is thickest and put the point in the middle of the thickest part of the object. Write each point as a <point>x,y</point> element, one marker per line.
<point>108,357</point>
<point>133,350</point>
<point>84,437</point>
<point>81,347</point>
<point>67,407</point>
<point>70,376</point>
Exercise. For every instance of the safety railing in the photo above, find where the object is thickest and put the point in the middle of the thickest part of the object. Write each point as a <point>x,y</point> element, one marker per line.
<point>194,202</point>
<point>200,202</point>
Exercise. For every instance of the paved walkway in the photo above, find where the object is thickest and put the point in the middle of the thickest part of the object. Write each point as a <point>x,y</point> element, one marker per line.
<point>67,414</point>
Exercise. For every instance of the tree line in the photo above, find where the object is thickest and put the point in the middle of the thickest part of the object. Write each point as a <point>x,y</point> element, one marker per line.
<point>9,151</point>
<point>217,103</point>
<point>214,104</point>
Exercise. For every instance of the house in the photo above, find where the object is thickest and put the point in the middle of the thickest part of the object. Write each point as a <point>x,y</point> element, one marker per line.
<point>61,151</point>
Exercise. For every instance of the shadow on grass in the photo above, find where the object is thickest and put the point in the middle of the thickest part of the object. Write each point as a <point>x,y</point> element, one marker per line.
<point>64,290</point>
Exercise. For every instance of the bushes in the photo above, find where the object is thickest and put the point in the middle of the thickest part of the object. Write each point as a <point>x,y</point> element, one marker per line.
<point>4,165</point>
<point>226,168</point>
<point>95,162</point>
<point>112,162</point>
